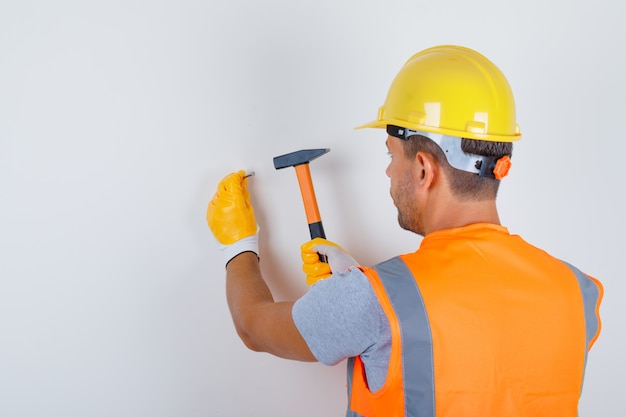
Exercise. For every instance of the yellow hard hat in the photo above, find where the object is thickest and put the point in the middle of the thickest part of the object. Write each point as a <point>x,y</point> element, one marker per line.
<point>453,91</point>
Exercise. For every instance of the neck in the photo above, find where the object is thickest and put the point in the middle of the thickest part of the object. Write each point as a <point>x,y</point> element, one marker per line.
<point>461,213</point>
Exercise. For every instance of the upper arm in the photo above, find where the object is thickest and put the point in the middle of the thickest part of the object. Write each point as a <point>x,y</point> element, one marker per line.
<point>271,329</point>
<point>340,317</point>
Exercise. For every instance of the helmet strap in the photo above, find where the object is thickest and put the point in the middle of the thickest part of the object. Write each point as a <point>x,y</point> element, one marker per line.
<point>483,166</point>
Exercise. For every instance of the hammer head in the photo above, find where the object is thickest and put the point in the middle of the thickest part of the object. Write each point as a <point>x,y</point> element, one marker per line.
<point>298,157</point>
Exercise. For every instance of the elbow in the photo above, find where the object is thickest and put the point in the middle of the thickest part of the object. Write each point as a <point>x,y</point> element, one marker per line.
<point>247,336</point>
<point>248,340</point>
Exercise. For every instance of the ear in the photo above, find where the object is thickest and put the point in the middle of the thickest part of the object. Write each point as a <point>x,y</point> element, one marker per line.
<point>426,170</point>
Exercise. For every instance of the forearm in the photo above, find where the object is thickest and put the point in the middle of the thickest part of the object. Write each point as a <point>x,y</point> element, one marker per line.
<point>245,289</point>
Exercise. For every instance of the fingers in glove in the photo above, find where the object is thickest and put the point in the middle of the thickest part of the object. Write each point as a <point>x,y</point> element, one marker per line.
<point>230,214</point>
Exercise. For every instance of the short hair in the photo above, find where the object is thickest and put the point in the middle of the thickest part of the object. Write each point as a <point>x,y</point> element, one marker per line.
<point>463,184</point>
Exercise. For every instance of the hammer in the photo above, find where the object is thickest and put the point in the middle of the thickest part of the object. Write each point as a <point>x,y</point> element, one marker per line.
<point>300,161</point>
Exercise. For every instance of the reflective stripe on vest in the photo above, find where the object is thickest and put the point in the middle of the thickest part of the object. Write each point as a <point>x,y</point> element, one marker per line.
<point>592,296</point>
<point>417,354</point>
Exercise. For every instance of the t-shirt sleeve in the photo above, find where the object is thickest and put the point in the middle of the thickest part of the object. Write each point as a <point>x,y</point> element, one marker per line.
<point>339,317</point>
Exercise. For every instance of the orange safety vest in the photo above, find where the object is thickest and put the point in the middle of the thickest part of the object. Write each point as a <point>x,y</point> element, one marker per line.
<point>482,324</point>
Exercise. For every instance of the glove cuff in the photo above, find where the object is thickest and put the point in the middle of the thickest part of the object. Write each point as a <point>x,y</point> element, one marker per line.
<point>247,244</point>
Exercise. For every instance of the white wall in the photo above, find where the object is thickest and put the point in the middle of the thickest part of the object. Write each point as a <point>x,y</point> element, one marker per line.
<point>118,118</point>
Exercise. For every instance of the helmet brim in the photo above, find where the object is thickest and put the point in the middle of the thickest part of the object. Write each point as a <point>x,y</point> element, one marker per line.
<point>378,124</point>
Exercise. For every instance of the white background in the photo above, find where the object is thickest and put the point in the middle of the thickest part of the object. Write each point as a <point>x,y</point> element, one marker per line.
<point>118,118</point>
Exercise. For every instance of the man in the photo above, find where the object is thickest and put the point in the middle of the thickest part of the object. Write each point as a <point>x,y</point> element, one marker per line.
<point>476,322</point>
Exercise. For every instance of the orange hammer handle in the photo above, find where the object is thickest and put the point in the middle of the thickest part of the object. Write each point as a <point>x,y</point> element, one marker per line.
<point>308,193</point>
<point>313,217</point>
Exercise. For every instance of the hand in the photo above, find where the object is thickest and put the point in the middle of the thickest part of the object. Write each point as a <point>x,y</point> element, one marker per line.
<point>339,261</point>
<point>230,217</point>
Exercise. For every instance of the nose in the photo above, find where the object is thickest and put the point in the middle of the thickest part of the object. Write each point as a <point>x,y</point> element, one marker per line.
<point>387,170</point>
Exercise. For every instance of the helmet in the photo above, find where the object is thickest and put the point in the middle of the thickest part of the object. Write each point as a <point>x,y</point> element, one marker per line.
<point>453,91</point>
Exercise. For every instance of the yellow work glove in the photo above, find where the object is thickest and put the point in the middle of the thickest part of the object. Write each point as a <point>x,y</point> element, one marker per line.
<point>339,261</point>
<point>230,217</point>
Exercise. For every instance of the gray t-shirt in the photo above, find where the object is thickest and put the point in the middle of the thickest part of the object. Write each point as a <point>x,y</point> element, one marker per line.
<point>341,317</point>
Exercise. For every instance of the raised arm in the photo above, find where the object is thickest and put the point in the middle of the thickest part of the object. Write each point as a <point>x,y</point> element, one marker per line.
<point>263,324</point>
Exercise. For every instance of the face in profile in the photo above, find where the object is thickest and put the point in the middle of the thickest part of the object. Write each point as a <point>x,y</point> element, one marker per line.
<point>401,173</point>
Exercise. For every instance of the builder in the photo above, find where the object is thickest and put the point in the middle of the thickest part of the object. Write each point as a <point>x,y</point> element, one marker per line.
<point>476,322</point>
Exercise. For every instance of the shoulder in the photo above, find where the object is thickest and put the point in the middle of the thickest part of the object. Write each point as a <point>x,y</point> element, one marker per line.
<point>351,289</point>
<point>339,317</point>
